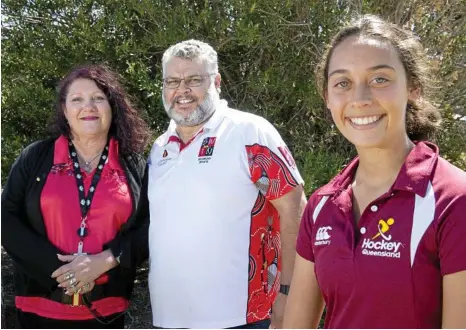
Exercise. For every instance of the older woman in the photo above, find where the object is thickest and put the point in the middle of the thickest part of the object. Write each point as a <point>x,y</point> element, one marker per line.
<point>75,211</point>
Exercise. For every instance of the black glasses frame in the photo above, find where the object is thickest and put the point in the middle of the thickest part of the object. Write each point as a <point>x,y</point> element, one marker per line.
<point>186,79</point>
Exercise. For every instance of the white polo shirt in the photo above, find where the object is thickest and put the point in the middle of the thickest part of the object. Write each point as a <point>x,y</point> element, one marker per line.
<point>214,236</point>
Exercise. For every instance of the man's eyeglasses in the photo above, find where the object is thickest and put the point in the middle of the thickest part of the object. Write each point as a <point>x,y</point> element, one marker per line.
<point>190,81</point>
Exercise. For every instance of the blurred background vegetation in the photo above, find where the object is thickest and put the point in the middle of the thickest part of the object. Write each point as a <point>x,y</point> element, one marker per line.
<point>267,50</point>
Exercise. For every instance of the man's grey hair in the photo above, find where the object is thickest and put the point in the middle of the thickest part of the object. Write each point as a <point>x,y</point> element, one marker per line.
<point>191,50</point>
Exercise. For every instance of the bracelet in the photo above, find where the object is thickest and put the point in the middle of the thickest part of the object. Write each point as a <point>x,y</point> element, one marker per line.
<point>284,289</point>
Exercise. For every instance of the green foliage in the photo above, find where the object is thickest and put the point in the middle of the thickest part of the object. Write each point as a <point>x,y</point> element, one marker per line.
<point>268,50</point>
<point>319,167</point>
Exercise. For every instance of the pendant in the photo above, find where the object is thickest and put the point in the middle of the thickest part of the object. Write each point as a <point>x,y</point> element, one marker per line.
<point>87,168</point>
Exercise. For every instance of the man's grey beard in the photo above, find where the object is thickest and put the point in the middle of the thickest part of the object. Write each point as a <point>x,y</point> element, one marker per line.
<point>200,114</point>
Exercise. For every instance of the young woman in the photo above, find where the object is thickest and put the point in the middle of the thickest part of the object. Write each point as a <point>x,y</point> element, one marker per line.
<point>382,244</point>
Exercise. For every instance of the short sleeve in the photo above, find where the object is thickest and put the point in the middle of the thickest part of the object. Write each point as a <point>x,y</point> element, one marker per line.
<point>271,164</point>
<point>304,241</point>
<point>451,238</point>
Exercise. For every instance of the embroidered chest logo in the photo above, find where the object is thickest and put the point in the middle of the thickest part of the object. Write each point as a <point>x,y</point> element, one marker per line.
<point>381,244</point>
<point>164,159</point>
<point>207,149</point>
<point>322,236</point>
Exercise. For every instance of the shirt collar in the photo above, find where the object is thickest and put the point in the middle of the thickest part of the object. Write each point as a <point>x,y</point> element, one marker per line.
<point>414,175</point>
<point>62,156</point>
<point>211,124</point>
<point>61,153</point>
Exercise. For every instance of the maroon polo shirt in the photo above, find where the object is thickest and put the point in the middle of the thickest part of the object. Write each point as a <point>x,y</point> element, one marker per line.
<point>110,209</point>
<point>386,272</point>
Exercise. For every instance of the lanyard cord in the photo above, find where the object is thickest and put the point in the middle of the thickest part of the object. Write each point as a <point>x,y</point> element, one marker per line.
<point>85,202</point>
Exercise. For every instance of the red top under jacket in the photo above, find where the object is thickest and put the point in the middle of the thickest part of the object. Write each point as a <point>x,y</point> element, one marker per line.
<point>110,209</point>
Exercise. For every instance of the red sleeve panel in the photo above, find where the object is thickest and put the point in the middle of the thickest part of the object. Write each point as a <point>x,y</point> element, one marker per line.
<point>269,172</point>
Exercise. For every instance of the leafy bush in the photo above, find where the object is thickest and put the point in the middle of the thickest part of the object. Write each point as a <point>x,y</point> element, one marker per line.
<point>268,50</point>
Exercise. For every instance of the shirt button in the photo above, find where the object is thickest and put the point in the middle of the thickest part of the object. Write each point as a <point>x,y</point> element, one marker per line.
<point>363,230</point>
<point>374,208</point>
<point>38,179</point>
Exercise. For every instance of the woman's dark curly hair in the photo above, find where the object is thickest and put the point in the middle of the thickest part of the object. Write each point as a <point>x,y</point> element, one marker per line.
<point>127,127</point>
<point>422,116</point>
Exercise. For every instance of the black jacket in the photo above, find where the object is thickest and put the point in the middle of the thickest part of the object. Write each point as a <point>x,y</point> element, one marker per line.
<point>24,235</point>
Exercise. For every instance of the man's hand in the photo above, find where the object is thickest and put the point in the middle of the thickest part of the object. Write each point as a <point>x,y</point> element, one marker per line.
<point>278,310</point>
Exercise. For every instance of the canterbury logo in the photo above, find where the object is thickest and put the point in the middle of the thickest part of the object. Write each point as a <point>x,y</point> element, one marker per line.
<point>322,233</point>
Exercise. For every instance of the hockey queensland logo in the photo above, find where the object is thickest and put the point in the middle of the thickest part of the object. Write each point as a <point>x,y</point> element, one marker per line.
<point>382,243</point>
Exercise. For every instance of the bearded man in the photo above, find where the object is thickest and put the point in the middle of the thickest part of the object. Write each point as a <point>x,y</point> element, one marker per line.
<point>226,199</point>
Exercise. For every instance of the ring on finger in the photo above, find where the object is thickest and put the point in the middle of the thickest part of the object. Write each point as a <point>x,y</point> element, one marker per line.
<point>73,282</point>
<point>86,286</point>
<point>69,275</point>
